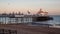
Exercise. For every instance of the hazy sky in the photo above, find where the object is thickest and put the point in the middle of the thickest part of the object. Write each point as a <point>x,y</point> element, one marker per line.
<point>52,6</point>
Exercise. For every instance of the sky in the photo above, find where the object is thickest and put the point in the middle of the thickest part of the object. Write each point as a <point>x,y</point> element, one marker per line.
<point>52,6</point>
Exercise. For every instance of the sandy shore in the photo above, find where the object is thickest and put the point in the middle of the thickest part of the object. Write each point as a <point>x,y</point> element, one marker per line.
<point>25,29</point>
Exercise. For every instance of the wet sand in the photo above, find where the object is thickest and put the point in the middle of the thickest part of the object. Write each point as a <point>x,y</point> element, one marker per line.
<point>25,29</point>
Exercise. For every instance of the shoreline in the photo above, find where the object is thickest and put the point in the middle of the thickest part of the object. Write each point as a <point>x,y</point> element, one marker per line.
<point>24,29</point>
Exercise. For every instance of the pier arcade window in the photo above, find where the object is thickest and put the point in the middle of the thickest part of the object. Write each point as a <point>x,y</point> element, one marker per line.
<point>26,20</point>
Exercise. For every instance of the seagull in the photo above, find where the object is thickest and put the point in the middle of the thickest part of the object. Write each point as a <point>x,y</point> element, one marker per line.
<point>8,3</point>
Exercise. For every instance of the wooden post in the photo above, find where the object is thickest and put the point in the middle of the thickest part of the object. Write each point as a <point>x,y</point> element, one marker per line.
<point>5,19</point>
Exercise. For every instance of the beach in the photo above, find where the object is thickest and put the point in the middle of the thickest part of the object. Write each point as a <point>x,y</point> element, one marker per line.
<point>25,29</point>
<point>29,16</point>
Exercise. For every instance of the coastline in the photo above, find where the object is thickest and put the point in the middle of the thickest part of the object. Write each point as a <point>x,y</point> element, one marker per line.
<point>25,29</point>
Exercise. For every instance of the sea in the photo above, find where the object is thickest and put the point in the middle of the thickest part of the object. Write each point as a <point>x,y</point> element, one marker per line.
<point>54,22</point>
